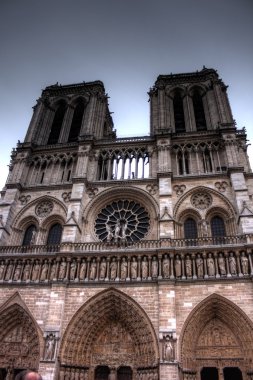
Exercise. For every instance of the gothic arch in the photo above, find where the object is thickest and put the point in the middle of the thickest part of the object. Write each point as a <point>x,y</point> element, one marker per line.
<point>181,204</point>
<point>20,336</point>
<point>119,193</point>
<point>110,329</point>
<point>235,340</point>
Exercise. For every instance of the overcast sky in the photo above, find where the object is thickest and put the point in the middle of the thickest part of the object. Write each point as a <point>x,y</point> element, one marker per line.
<point>124,43</point>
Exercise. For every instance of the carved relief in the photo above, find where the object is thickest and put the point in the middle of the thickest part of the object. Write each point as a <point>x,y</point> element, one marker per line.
<point>168,349</point>
<point>221,186</point>
<point>92,191</point>
<point>179,189</point>
<point>66,196</point>
<point>50,346</point>
<point>152,189</point>
<point>24,199</point>
<point>44,208</point>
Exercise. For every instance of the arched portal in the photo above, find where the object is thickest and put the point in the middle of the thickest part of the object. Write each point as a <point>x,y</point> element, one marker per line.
<point>20,342</point>
<point>110,331</point>
<point>217,334</point>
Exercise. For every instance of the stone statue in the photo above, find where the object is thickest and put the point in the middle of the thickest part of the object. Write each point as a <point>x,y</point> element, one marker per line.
<point>72,274</point>
<point>109,232</point>
<point>178,269</point>
<point>244,263</point>
<point>2,267</point>
<point>124,230</point>
<point>53,271</point>
<point>50,347</point>
<point>93,269</point>
<point>232,263</point>
<point>200,266</point>
<point>154,267</point>
<point>210,265</point>
<point>168,349</point>
<point>26,272</point>
<point>134,268</point>
<point>166,267</point>
<point>35,271</point>
<point>188,266</point>
<point>204,228</point>
<point>117,231</point>
<point>33,238</point>
<point>123,269</point>
<point>144,268</point>
<point>102,272</point>
<point>9,271</point>
<point>44,271</point>
<point>221,265</point>
<point>17,272</point>
<point>113,269</point>
<point>83,270</point>
<point>62,270</point>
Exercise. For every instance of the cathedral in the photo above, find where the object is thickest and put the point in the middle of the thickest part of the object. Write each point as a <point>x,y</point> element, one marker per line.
<point>129,258</point>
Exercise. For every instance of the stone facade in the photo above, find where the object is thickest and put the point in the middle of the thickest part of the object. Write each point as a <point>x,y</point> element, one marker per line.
<point>129,258</point>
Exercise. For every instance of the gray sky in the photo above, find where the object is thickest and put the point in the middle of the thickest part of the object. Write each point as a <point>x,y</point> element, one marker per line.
<point>124,43</point>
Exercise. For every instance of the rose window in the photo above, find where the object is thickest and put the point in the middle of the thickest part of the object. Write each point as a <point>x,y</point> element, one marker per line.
<point>44,208</point>
<point>201,200</point>
<point>122,220</point>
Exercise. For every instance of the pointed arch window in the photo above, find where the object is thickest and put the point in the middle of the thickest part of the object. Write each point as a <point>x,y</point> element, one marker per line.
<point>54,234</point>
<point>76,121</point>
<point>199,111</point>
<point>178,108</point>
<point>218,227</point>
<point>57,124</point>
<point>29,237</point>
<point>190,229</point>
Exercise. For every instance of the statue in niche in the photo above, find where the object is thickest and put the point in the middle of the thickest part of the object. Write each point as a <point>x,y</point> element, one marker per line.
<point>72,270</point>
<point>62,270</point>
<point>123,269</point>
<point>221,265</point>
<point>144,268</point>
<point>26,272</point>
<point>244,263</point>
<point>178,270</point>
<point>17,272</point>
<point>44,271</point>
<point>50,347</point>
<point>102,272</point>
<point>35,271</point>
<point>232,264</point>
<point>93,269</point>
<point>134,268</point>
<point>124,230</point>
<point>53,271</point>
<point>9,271</point>
<point>204,228</point>
<point>188,266</point>
<point>166,267</point>
<point>33,238</point>
<point>168,349</point>
<point>113,269</point>
<point>83,270</point>
<point>109,232</point>
<point>154,267</point>
<point>200,266</point>
<point>2,267</point>
<point>210,265</point>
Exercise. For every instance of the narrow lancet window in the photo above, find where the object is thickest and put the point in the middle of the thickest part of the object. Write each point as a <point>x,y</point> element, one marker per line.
<point>76,122</point>
<point>178,112</point>
<point>199,111</point>
<point>57,124</point>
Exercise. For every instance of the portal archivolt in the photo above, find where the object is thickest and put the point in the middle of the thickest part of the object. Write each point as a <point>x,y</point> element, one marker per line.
<point>216,334</point>
<point>110,330</point>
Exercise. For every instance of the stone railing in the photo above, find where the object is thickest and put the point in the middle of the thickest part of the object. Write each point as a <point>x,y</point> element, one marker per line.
<point>128,266</point>
<point>162,244</point>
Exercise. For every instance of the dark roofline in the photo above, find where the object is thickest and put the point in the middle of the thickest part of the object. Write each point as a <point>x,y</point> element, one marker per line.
<point>204,72</point>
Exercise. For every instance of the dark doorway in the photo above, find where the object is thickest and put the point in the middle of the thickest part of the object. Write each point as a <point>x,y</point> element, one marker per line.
<point>209,373</point>
<point>232,373</point>
<point>124,373</point>
<point>102,373</point>
<point>3,373</point>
